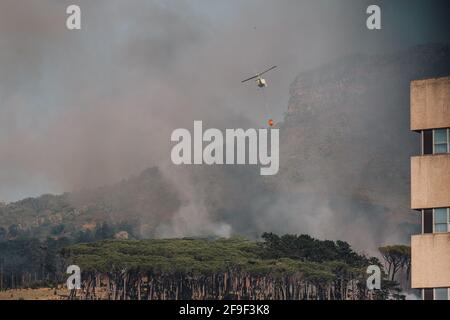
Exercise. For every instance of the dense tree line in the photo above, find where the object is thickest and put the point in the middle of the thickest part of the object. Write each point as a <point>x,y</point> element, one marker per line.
<point>99,232</point>
<point>306,248</point>
<point>278,267</point>
<point>29,262</point>
<point>286,267</point>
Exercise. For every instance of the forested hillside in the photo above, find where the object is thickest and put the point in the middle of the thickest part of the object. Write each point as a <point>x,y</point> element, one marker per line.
<point>139,204</point>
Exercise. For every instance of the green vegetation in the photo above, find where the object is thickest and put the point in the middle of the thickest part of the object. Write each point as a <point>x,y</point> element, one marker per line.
<point>194,256</point>
<point>397,257</point>
<point>286,267</point>
<point>26,261</point>
<point>278,267</point>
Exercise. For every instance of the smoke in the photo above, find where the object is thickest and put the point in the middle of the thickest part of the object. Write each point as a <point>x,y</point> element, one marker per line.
<point>80,109</point>
<point>193,217</point>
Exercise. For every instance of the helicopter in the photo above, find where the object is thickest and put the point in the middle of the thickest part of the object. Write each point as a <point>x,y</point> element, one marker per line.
<point>260,81</point>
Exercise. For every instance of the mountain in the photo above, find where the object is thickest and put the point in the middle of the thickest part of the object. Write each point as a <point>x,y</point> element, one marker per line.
<point>346,141</point>
<point>345,145</point>
<point>143,201</point>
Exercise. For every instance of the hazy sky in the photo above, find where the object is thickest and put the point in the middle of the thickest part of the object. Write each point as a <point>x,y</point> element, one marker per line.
<point>86,108</point>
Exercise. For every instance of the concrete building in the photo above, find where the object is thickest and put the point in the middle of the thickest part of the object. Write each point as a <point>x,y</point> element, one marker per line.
<point>430,187</point>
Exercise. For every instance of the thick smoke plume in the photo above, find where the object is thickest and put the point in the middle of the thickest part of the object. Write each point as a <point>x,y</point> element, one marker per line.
<point>81,109</point>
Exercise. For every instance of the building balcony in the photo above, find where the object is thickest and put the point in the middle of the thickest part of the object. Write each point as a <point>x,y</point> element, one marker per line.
<point>430,104</point>
<point>430,257</point>
<point>430,181</point>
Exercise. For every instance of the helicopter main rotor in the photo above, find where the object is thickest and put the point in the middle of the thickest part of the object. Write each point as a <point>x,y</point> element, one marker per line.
<point>259,80</point>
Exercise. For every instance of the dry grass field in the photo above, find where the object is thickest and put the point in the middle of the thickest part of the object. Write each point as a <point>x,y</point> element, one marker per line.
<point>34,294</point>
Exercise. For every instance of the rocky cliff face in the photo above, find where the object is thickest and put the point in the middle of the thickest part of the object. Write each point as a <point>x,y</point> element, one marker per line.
<point>346,142</point>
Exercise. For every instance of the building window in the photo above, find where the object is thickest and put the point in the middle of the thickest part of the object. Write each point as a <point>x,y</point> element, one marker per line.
<point>427,142</point>
<point>441,141</point>
<point>427,294</point>
<point>436,220</point>
<point>436,294</point>
<point>441,294</point>
<point>427,221</point>
<point>441,220</point>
